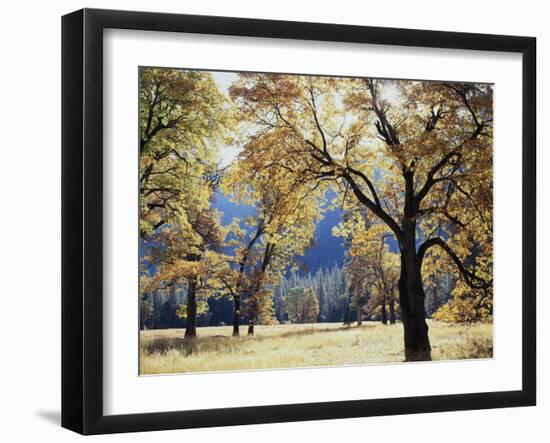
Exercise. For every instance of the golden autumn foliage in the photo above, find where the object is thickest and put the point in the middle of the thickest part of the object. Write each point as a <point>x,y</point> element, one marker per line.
<point>417,155</point>
<point>408,162</point>
<point>280,230</point>
<point>372,267</point>
<point>183,122</point>
<point>302,305</point>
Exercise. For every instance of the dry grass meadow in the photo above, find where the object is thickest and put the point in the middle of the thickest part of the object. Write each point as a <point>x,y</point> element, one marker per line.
<point>302,345</point>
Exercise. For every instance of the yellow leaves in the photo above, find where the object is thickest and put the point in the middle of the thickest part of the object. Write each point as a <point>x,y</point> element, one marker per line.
<point>286,205</point>
<point>183,121</point>
<point>370,264</point>
<point>202,308</point>
<point>473,246</point>
<point>463,310</point>
<point>376,144</point>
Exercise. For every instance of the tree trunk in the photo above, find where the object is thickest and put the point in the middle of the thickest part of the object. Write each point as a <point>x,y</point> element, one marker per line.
<point>191,327</point>
<point>411,299</point>
<point>384,313</point>
<point>236,315</point>
<point>251,327</point>
<point>392,312</point>
<point>359,314</point>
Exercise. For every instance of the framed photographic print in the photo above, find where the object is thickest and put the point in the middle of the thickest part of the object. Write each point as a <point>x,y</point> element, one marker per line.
<point>270,221</point>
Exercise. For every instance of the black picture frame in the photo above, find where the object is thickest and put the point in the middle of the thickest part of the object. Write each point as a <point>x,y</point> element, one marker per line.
<point>82,215</point>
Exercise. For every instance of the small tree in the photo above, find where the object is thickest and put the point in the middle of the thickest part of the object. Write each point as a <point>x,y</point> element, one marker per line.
<point>371,264</point>
<point>292,304</point>
<point>310,306</point>
<point>302,305</point>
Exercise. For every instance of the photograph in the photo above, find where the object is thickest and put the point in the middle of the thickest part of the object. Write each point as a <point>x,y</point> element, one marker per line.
<point>241,221</point>
<point>293,221</point>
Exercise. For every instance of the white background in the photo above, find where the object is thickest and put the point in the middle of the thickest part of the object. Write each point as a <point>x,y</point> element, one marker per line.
<point>126,393</point>
<point>30,187</point>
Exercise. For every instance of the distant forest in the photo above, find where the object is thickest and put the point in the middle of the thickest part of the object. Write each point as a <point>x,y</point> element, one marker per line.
<point>329,284</point>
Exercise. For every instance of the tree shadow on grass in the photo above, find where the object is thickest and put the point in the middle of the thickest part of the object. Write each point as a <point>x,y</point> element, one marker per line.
<point>310,331</point>
<point>222,343</point>
<point>190,346</point>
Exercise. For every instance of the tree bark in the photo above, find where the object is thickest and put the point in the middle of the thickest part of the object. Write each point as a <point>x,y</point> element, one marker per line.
<point>242,266</point>
<point>384,312</point>
<point>268,253</point>
<point>392,312</point>
<point>411,298</point>
<point>191,327</point>
<point>359,312</point>
<point>236,315</point>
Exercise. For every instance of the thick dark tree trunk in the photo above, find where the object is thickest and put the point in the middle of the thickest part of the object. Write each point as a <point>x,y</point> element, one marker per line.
<point>236,315</point>
<point>392,312</point>
<point>384,312</point>
<point>359,314</point>
<point>191,328</point>
<point>411,299</point>
<point>251,327</point>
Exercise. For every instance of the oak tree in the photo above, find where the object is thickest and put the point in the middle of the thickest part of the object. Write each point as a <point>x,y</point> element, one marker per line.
<point>417,155</point>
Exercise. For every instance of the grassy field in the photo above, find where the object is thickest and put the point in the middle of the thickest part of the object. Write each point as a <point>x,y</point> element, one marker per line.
<point>288,346</point>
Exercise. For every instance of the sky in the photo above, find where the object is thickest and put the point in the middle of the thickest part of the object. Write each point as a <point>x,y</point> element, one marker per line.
<point>224,80</point>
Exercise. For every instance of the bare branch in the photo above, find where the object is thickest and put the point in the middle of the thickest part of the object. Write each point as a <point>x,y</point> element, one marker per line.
<point>472,280</point>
